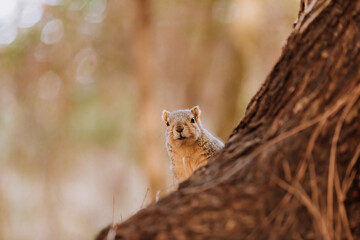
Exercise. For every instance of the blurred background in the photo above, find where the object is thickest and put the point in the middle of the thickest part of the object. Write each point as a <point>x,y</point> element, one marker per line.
<point>82,87</point>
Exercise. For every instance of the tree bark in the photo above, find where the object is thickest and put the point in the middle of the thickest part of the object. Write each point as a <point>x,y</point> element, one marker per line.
<point>290,170</point>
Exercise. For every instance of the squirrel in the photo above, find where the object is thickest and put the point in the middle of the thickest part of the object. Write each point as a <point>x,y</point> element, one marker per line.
<point>189,145</point>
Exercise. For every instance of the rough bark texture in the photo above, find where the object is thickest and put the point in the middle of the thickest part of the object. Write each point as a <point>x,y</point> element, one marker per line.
<point>290,170</point>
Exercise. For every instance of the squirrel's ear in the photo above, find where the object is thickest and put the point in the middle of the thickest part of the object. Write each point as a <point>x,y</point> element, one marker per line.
<point>165,115</point>
<point>196,111</point>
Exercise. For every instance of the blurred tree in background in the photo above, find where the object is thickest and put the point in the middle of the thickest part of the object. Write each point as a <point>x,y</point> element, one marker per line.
<point>82,87</point>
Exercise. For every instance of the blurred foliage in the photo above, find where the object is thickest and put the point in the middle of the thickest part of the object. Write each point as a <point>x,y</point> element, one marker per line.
<point>82,87</point>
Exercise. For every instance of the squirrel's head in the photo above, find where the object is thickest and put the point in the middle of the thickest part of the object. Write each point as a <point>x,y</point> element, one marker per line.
<point>182,126</point>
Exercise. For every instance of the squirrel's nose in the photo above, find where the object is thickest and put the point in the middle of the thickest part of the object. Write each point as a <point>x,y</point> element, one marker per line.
<point>179,129</point>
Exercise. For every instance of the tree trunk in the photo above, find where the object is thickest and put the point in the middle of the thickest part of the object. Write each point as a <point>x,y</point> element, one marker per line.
<point>144,74</point>
<point>290,170</point>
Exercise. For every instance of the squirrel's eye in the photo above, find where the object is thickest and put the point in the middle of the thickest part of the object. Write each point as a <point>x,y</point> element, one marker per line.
<point>193,120</point>
<point>167,124</point>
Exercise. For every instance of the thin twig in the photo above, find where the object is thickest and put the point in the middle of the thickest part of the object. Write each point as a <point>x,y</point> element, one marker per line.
<point>309,159</point>
<point>332,160</point>
<point>349,174</point>
<point>342,210</point>
<point>142,204</point>
<point>306,201</point>
<point>113,211</point>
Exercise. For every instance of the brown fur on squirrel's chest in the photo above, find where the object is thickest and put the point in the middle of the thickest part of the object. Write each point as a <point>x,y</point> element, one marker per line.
<point>185,159</point>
